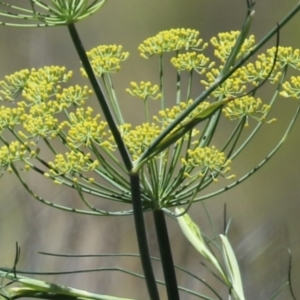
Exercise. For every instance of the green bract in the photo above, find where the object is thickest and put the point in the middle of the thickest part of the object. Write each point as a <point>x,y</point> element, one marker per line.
<point>59,12</point>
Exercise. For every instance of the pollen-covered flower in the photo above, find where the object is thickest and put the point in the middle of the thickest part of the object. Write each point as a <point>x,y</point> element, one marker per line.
<point>247,106</point>
<point>9,117</point>
<point>208,159</point>
<point>72,163</point>
<point>285,56</point>
<point>106,59</point>
<point>192,61</point>
<point>50,75</point>
<point>54,13</point>
<point>73,95</point>
<point>168,115</point>
<point>12,86</point>
<point>40,120</point>
<point>139,138</point>
<point>37,93</point>
<point>12,153</point>
<point>35,85</point>
<point>84,129</point>
<point>144,90</point>
<point>170,40</point>
<point>259,71</point>
<point>233,86</point>
<point>291,88</point>
<point>225,41</point>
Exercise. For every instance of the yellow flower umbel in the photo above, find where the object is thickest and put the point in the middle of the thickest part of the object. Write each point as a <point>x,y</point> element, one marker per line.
<point>106,59</point>
<point>170,40</point>
<point>192,61</point>
<point>14,152</point>
<point>206,160</point>
<point>291,88</point>
<point>9,117</point>
<point>35,85</point>
<point>139,138</point>
<point>12,86</point>
<point>173,152</point>
<point>246,107</point>
<point>286,56</point>
<point>232,87</point>
<point>85,129</point>
<point>167,116</point>
<point>40,121</point>
<point>73,164</point>
<point>225,41</point>
<point>144,90</point>
<point>73,95</point>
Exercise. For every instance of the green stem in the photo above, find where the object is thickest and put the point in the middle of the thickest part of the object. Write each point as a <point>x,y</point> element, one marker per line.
<point>100,96</point>
<point>161,82</point>
<point>141,236</point>
<point>166,254</point>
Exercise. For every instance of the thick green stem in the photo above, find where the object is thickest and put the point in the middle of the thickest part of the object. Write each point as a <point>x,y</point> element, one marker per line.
<point>100,96</point>
<point>134,178</point>
<point>141,236</point>
<point>166,254</point>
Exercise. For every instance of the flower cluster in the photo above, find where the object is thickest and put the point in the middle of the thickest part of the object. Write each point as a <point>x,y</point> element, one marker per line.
<point>246,107</point>
<point>175,158</point>
<point>291,88</point>
<point>139,138</point>
<point>170,40</point>
<point>106,59</point>
<point>192,61</point>
<point>144,90</point>
<point>15,151</point>
<point>73,163</point>
<point>225,42</point>
<point>207,159</point>
<point>165,117</point>
<point>9,117</point>
<point>85,129</point>
<point>232,87</point>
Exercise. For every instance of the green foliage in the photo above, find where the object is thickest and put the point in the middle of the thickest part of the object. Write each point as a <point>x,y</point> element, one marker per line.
<point>167,161</point>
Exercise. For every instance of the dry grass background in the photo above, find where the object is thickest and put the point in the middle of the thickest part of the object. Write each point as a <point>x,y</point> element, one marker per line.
<point>265,208</point>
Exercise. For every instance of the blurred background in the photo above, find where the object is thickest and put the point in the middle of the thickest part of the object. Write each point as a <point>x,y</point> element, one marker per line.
<point>265,208</point>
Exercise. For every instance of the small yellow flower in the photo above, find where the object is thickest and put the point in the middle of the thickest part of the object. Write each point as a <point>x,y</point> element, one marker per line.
<point>106,59</point>
<point>192,61</point>
<point>291,88</point>
<point>35,85</point>
<point>247,106</point>
<point>72,163</point>
<point>170,40</point>
<point>139,138</point>
<point>232,87</point>
<point>225,41</point>
<point>9,117</point>
<point>12,86</point>
<point>286,56</point>
<point>168,115</point>
<point>144,90</point>
<point>85,129</point>
<point>207,159</point>
<point>12,153</point>
<point>73,95</point>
